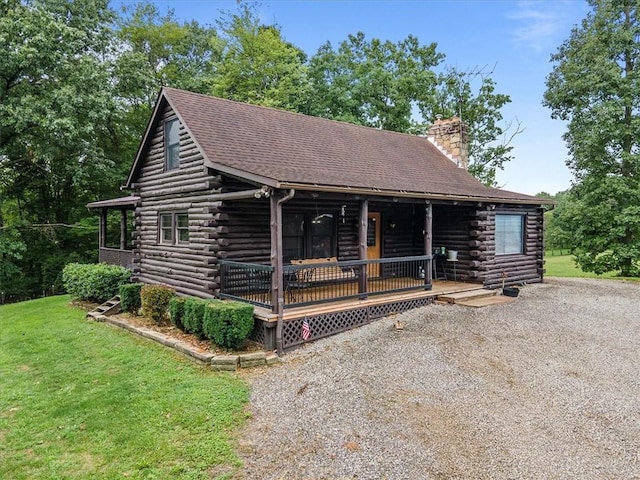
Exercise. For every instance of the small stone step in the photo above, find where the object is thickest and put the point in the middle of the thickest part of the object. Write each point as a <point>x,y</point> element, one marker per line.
<point>466,295</point>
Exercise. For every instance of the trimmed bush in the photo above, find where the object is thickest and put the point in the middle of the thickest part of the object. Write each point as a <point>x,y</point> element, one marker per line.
<point>95,282</point>
<point>176,312</point>
<point>194,315</point>
<point>228,324</point>
<point>130,297</point>
<point>155,301</point>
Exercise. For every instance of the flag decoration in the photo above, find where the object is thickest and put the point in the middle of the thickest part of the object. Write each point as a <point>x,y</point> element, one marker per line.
<point>306,331</point>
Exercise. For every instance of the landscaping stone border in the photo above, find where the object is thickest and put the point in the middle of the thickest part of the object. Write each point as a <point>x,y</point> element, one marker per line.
<point>217,362</point>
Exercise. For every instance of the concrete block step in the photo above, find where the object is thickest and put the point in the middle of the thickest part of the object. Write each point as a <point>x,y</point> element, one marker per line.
<point>466,295</point>
<point>486,301</point>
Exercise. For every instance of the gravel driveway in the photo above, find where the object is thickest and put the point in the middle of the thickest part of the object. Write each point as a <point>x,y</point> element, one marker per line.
<point>546,387</point>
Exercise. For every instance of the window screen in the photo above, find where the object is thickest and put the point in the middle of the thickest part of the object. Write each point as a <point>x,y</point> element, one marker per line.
<point>509,234</point>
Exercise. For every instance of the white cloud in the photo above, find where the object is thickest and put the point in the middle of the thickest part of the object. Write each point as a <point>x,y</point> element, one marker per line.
<point>542,25</point>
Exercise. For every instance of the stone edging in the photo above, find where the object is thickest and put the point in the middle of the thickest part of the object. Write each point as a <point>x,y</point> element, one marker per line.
<point>217,362</point>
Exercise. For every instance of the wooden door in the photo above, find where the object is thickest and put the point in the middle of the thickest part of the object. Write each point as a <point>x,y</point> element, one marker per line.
<point>374,247</point>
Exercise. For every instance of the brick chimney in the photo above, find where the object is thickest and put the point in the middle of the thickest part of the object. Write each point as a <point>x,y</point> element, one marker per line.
<point>451,137</point>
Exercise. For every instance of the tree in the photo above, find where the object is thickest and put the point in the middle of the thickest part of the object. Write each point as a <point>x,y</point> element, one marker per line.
<point>157,51</point>
<point>258,66</point>
<point>396,86</point>
<point>55,112</point>
<point>595,88</point>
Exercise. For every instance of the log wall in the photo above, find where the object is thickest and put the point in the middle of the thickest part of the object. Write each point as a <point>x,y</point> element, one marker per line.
<point>189,268</point>
<point>490,268</point>
<point>451,230</point>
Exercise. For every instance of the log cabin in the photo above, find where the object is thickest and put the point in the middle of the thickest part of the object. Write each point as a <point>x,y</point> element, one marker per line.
<point>313,219</point>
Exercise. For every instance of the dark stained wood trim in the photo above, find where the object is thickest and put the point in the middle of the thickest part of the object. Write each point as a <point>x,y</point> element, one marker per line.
<point>428,241</point>
<point>362,245</point>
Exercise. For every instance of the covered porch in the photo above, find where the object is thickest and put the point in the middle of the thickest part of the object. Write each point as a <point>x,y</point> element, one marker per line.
<point>327,319</point>
<point>116,229</point>
<point>342,260</point>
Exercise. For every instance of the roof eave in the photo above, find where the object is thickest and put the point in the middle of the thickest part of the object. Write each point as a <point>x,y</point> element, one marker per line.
<point>409,194</point>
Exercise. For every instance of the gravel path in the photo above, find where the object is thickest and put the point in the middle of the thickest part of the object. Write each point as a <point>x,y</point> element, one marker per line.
<point>546,387</point>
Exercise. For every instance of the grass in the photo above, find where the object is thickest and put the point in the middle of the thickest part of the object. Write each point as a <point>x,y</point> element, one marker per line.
<point>84,400</point>
<point>564,266</point>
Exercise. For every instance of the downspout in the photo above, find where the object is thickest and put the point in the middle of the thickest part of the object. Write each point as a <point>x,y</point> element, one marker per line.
<point>278,270</point>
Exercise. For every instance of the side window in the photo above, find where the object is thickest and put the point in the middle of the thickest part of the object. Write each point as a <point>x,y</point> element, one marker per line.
<point>166,228</point>
<point>174,228</point>
<point>172,144</point>
<point>509,234</point>
<point>182,227</point>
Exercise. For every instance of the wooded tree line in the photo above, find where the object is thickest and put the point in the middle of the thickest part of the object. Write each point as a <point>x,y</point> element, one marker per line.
<point>78,81</point>
<point>595,87</point>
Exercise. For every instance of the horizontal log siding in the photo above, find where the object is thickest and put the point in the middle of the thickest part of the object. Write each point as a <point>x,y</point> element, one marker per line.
<point>451,230</point>
<point>190,269</point>
<point>519,268</point>
<point>400,221</point>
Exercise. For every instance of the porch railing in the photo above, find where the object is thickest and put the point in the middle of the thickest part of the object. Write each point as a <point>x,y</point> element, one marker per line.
<point>116,256</point>
<point>316,281</point>
<point>249,282</point>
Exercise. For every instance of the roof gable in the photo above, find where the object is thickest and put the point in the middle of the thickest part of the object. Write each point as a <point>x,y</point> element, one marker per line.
<point>280,148</point>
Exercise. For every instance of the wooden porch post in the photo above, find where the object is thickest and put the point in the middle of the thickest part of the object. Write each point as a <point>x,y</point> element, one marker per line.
<point>277,278</point>
<point>428,243</point>
<point>362,249</point>
<point>276,253</point>
<point>123,229</point>
<point>103,228</point>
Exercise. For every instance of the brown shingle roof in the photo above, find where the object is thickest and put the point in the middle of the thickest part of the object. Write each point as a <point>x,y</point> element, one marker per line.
<point>291,148</point>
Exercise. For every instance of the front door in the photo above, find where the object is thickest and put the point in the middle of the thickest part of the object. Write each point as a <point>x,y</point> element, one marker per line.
<point>374,250</point>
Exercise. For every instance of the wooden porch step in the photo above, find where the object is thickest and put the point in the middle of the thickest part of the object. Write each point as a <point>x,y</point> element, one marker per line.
<point>486,301</point>
<point>459,297</point>
<point>110,307</point>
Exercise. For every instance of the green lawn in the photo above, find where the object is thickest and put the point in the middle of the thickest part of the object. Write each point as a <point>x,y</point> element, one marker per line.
<point>564,266</point>
<point>81,400</point>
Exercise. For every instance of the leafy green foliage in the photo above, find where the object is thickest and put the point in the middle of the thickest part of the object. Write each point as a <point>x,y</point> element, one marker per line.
<point>155,301</point>
<point>130,299</point>
<point>194,316</point>
<point>595,87</point>
<point>228,324</point>
<point>176,312</point>
<point>94,282</point>
<point>381,84</point>
<point>257,65</point>
<point>105,405</point>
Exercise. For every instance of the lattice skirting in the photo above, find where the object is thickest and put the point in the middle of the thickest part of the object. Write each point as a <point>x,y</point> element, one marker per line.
<point>331,323</point>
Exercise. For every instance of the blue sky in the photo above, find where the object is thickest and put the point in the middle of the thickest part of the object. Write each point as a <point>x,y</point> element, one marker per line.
<point>513,38</point>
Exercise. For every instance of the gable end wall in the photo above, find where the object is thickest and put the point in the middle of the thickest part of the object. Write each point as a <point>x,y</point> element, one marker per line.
<point>190,268</point>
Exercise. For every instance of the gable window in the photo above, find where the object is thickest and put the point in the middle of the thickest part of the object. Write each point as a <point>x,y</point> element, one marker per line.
<point>174,228</point>
<point>509,234</point>
<point>172,144</point>
<point>309,235</point>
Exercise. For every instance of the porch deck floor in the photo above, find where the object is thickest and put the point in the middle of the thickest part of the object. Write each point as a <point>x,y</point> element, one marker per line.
<point>439,287</point>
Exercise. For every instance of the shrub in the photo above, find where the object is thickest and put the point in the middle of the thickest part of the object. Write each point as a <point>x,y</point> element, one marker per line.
<point>155,301</point>
<point>176,312</point>
<point>194,315</point>
<point>228,324</point>
<point>130,297</point>
<point>95,282</point>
